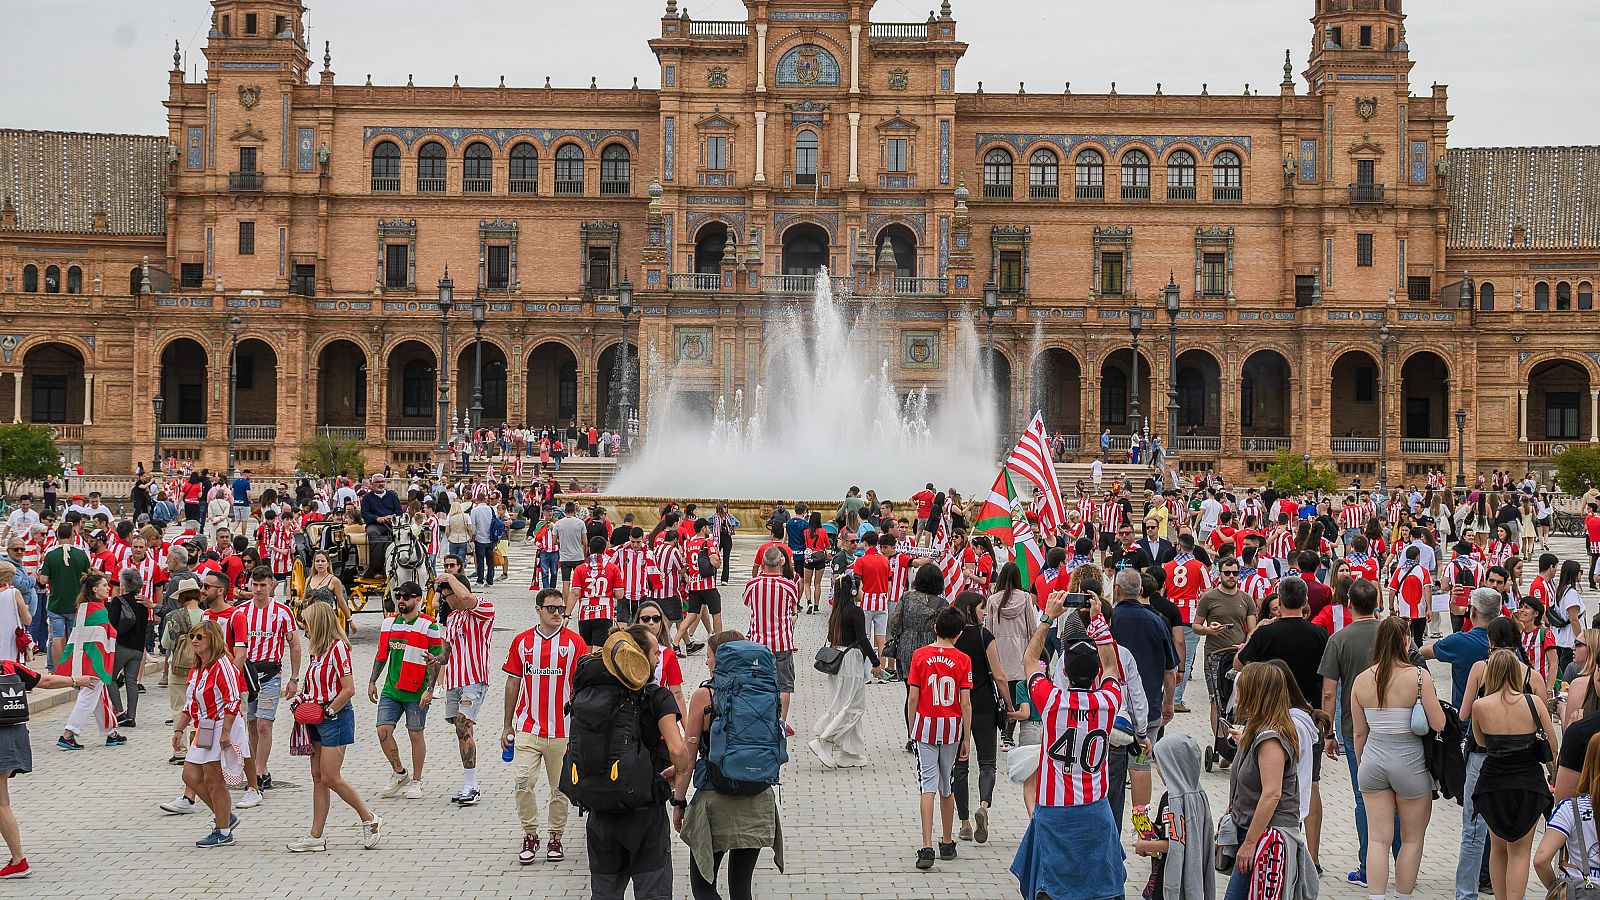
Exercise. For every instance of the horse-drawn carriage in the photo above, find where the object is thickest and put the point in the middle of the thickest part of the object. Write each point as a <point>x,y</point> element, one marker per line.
<point>403,558</point>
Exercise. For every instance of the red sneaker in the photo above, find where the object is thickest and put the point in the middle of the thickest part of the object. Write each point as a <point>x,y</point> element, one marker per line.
<point>530,849</point>
<point>553,851</point>
<point>18,869</point>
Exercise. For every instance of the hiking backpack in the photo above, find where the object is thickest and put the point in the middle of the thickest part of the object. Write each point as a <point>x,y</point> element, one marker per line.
<point>747,748</point>
<point>607,767</point>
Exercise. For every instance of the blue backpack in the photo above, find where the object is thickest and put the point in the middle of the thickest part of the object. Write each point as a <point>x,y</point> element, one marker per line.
<point>747,746</point>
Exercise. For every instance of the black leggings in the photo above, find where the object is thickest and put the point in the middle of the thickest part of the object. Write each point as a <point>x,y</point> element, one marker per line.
<point>1419,632</point>
<point>741,869</point>
<point>984,733</point>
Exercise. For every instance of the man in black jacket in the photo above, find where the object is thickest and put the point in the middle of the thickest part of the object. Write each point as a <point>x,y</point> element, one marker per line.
<point>1157,548</point>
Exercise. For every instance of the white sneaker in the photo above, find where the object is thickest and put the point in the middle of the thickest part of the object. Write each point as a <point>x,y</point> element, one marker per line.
<point>372,832</point>
<point>414,790</point>
<point>180,807</point>
<point>308,844</point>
<point>397,783</point>
<point>250,800</point>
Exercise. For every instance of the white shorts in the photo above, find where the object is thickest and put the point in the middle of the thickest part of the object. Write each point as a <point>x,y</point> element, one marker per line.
<point>936,765</point>
<point>201,755</point>
<point>878,623</point>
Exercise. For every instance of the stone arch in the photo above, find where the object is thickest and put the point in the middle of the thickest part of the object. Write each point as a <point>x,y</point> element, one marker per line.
<point>255,394</point>
<point>1355,382</point>
<point>1057,379</point>
<point>343,381</point>
<point>412,383</point>
<point>1424,395</point>
<point>609,377</point>
<point>1266,401</point>
<point>183,364</point>
<point>1198,382</point>
<point>496,387</point>
<point>1559,406</point>
<point>53,377</point>
<point>1589,364</point>
<point>551,383</point>
<point>710,241</point>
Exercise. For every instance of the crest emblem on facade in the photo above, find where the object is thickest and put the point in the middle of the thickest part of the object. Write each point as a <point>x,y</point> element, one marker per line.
<point>694,347</point>
<point>249,96</point>
<point>921,352</point>
<point>899,79</point>
<point>808,65</point>
<point>717,77</point>
<point>1366,108</point>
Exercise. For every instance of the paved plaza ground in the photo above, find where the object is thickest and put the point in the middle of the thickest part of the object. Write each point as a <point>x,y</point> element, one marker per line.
<point>92,827</point>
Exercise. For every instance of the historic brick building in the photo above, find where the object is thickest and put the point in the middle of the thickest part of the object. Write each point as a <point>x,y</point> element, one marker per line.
<point>1318,235</point>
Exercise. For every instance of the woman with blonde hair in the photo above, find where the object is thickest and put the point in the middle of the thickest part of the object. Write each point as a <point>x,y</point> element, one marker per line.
<point>1582,697</point>
<point>1264,789</point>
<point>1512,794</point>
<point>330,684</point>
<point>14,614</point>
<point>212,706</point>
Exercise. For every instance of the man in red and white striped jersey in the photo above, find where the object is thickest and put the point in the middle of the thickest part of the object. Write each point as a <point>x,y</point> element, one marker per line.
<point>1412,585</point>
<point>701,601</point>
<point>939,710</point>
<point>539,672</point>
<point>152,574</point>
<point>275,542</point>
<point>596,588</point>
<point>1351,519</point>
<point>670,562</point>
<point>263,629</point>
<point>773,601</point>
<point>640,574</point>
<point>466,672</point>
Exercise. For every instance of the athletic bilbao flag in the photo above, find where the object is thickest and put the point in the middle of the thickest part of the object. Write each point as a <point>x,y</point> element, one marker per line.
<point>1031,459</point>
<point>1004,518</point>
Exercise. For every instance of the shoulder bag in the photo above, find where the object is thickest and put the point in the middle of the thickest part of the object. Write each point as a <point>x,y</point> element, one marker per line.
<point>1419,716</point>
<point>829,660</point>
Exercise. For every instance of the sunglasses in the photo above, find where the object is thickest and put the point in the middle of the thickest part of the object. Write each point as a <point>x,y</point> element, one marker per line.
<point>554,610</point>
<point>649,618</point>
<point>196,638</point>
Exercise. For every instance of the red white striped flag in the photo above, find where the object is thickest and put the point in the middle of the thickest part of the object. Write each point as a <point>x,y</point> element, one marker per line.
<point>1031,459</point>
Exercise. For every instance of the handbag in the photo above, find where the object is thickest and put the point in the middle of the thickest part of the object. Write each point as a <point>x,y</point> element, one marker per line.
<point>1565,887</point>
<point>1419,716</point>
<point>24,642</point>
<point>829,660</point>
<point>205,733</point>
<point>1541,746</point>
<point>308,713</point>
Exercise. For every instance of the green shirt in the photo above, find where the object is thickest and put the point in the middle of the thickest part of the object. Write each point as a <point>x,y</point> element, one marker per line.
<point>405,648</point>
<point>65,567</point>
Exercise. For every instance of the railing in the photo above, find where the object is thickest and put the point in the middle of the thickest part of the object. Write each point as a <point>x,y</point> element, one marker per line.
<point>997,192</point>
<point>800,284</point>
<point>430,185</point>
<point>477,185</point>
<point>181,432</point>
<point>1366,193</point>
<point>410,434</point>
<point>1547,449</point>
<point>67,434</point>
<point>385,184</point>
<point>1071,442</point>
<point>1197,442</point>
<point>1044,192</point>
<point>615,188</point>
<point>907,286</point>
<point>255,432</point>
<point>1425,446</point>
<point>1136,192</point>
<point>1229,194</point>
<point>1180,192</point>
<point>245,181</point>
<point>349,432</point>
<point>1354,445</point>
<point>524,185</point>
<point>695,281</point>
<point>1120,442</point>
<point>1089,191</point>
<point>711,28</point>
<point>1263,444</point>
<point>568,188</point>
<point>899,31</point>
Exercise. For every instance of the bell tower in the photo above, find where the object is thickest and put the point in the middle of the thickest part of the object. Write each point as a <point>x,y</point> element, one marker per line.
<point>1358,37</point>
<point>260,31</point>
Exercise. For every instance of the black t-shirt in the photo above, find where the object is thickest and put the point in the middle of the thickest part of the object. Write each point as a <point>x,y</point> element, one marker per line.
<point>1299,644</point>
<point>1168,610</point>
<point>1575,741</point>
<point>658,702</point>
<point>974,641</point>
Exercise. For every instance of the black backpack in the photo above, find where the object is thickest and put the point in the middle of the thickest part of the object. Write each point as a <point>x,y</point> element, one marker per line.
<point>13,699</point>
<point>607,767</point>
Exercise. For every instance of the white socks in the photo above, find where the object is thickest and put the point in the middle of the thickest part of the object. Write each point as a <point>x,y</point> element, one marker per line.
<point>470,780</point>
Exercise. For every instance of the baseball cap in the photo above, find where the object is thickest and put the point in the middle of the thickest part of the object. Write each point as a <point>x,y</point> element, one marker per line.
<point>409,589</point>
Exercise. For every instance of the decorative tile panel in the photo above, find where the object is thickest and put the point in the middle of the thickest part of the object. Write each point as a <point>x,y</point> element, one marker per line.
<point>920,349</point>
<point>808,65</point>
<point>304,145</point>
<point>1419,162</point>
<point>713,200</point>
<point>1407,315</point>
<point>944,151</point>
<point>283,132</point>
<point>946,80</point>
<point>1349,76</point>
<point>692,344</point>
<point>1056,313</point>
<point>669,76</point>
<point>669,139</point>
<point>944,245</point>
<point>806,15</point>
<point>196,147</point>
<point>805,201</point>
<point>211,129</point>
<point>1308,161</point>
<point>1159,143</point>
<point>455,136</point>
<point>916,202</point>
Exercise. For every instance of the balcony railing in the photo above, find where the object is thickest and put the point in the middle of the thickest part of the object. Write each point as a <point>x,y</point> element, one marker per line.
<point>1089,191</point>
<point>615,188</point>
<point>349,432</point>
<point>899,31</point>
<point>182,432</point>
<point>1547,449</point>
<point>430,185</point>
<point>1354,445</point>
<point>569,188</point>
<point>799,284</point>
<point>1425,446</point>
<point>723,29</point>
<point>245,181</point>
<point>386,184</point>
<point>1229,194</point>
<point>906,286</point>
<point>1263,444</point>
<point>255,432</point>
<point>524,186</point>
<point>695,281</point>
<point>1119,443</point>
<point>1044,192</point>
<point>67,434</point>
<point>1071,442</point>
<point>1198,442</point>
<point>477,185</point>
<point>1136,192</point>
<point>1366,193</point>
<point>1180,192</point>
<point>410,434</point>
<point>997,192</point>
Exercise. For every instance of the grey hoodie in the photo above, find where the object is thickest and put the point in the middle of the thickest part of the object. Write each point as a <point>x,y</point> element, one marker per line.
<point>1188,874</point>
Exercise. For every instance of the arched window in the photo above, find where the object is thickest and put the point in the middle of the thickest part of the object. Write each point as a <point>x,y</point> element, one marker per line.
<point>805,157</point>
<point>1486,296</point>
<point>616,168</point>
<point>1043,176</point>
<point>1227,177</point>
<point>1563,295</point>
<point>709,246</point>
<point>74,280</point>
<point>1585,295</point>
<point>1090,176</point>
<point>1180,176</point>
<point>1541,296</point>
<point>52,280</point>
<point>430,168</point>
<point>569,169</point>
<point>1136,175</point>
<point>477,174</point>
<point>416,390</point>
<point>30,279</point>
<point>997,174</point>
<point>135,280</point>
<point>386,167</point>
<point>524,169</point>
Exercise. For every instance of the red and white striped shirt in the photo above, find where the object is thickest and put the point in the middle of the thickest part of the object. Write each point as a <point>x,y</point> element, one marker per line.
<point>32,556</point>
<point>639,570</point>
<point>322,676</point>
<point>276,542</point>
<point>1352,516</point>
<point>151,574</point>
<point>670,562</point>
<point>466,631</point>
<point>545,666</point>
<point>434,532</point>
<point>596,582</point>
<point>940,674</point>
<point>1500,551</point>
<point>1256,585</point>
<point>772,600</point>
<point>545,540</point>
<point>1076,744</point>
<point>1110,517</point>
<point>1362,566</point>
<point>1538,643</point>
<point>1280,544</point>
<point>265,630</point>
<point>691,550</point>
<point>213,691</point>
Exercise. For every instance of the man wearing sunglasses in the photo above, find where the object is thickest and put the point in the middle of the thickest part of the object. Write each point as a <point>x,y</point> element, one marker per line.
<point>466,671</point>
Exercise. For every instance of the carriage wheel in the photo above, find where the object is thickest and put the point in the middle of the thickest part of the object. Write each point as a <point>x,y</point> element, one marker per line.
<point>358,598</point>
<point>297,579</point>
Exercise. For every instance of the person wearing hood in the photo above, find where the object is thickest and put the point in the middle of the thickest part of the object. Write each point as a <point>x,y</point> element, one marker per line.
<point>1181,865</point>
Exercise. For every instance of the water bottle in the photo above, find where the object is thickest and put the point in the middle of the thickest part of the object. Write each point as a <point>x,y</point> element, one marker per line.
<point>508,753</point>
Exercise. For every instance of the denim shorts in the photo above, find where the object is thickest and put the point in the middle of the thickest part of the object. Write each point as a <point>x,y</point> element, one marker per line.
<point>390,709</point>
<point>339,731</point>
<point>265,705</point>
<point>59,625</point>
<point>467,701</point>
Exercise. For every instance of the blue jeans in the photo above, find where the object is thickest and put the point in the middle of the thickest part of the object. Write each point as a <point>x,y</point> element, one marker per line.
<point>1474,831</point>
<point>461,551</point>
<point>483,558</point>
<point>1238,886</point>
<point>1191,646</point>
<point>549,564</point>
<point>40,628</point>
<point>1349,745</point>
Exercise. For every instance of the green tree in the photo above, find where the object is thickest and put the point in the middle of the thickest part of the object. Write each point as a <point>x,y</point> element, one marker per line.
<point>1577,469</point>
<point>27,453</point>
<point>1291,474</point>
<point>326,455</point>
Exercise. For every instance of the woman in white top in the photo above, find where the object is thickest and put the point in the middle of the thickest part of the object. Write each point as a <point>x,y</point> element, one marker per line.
<point>1572,826</point>
<point>14,614</point>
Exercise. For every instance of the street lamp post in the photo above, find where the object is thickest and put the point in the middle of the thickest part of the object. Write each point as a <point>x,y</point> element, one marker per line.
<point>233,385</point>
<point>625,306</point>
<point>480,314</point>
<point>1172,297</point>
<point>446,300</point>
<point>1461,450</point>
<point>1135,325</point>
<point>1305,463</point>
<point>157,404</point>
<point>1384,337</point>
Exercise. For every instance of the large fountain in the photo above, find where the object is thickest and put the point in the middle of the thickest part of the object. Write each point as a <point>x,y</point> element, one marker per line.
<point>826,415</point>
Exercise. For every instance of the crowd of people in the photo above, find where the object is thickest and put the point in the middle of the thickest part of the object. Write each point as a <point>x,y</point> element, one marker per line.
<point>1312,617</point>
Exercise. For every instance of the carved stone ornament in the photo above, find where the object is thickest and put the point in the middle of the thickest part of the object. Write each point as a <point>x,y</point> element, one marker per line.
<point>717,77</point>
<point>1366,108</point>
<point>899,79</point>
<point>249,95</point>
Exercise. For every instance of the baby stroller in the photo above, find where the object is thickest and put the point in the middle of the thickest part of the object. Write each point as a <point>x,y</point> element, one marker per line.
<point>1223,748</point>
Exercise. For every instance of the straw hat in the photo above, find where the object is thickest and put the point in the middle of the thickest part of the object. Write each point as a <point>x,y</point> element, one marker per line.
<point>626,662</point>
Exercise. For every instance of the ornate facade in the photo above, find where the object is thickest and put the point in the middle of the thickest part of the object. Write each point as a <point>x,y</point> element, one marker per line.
<point>296,227</point>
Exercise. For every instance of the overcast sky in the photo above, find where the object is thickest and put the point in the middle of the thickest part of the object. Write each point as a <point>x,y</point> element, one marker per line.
<point>1520,71</point>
